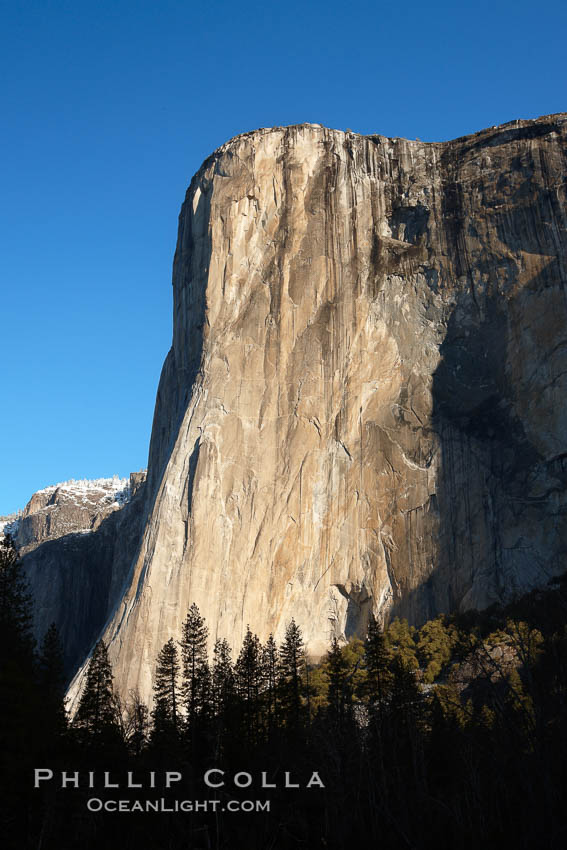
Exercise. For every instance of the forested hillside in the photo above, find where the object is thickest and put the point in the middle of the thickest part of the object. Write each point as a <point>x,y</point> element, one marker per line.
<point>451,735</point>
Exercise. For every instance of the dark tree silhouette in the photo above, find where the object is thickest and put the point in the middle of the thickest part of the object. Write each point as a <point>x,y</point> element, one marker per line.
<point>165,714</point>
<point>20,706</point>
<point>249,681</point>
<point>194,664</point>
<point>340,687</point>
<point>136,723</point>
<point>223,685</point>
<point>474,758</point>
<point>377,684</point>
<point>96,715</point>
<point>292,673</point>
<point>18,693</point>
<point>16,638</point>
<point>52,682</point>
<point>271,674</point>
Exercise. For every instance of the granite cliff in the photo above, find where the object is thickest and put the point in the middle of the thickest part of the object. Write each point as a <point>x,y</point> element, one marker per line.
<point>363,409</point>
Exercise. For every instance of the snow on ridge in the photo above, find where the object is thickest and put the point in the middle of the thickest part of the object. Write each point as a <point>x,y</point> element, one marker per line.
<point>84,485</point>
<point>10,524</point>
<point>116,488</point>
<point>112,492</point>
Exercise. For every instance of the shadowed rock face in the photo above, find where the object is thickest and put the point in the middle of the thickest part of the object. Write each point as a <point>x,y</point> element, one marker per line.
<point>363,408</point>
<point>77,541</point>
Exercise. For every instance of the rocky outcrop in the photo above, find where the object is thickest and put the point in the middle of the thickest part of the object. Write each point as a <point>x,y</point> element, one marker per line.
<point>363,408</point>
<point>77,541</point>
<point>69,508</point>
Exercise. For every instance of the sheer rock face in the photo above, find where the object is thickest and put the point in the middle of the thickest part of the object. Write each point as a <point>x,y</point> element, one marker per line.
<point>364,404</point>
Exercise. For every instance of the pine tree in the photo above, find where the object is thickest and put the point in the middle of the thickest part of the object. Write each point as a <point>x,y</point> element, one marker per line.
<point>248,670</point>
<point>136,723</point>
<point>400,736</point>
<point>52,680</point>
<point>16,640</point>
<point>406,700</point>
<point>20,706</point>
<point>271,672</point>
<point>194,663</point>
<point>406,714</point>
<point>165,714</point>
<point>96,714</point>
<point>292,667</point>
<point>223,696</point>
<point>222,684</point>
<point>205,698</point>
<point>377,684</point>
<point>340,688</point>
<point>249,680</point>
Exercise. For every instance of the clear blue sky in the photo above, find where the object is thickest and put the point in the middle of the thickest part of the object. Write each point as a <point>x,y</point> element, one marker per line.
<point>107,110</point>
